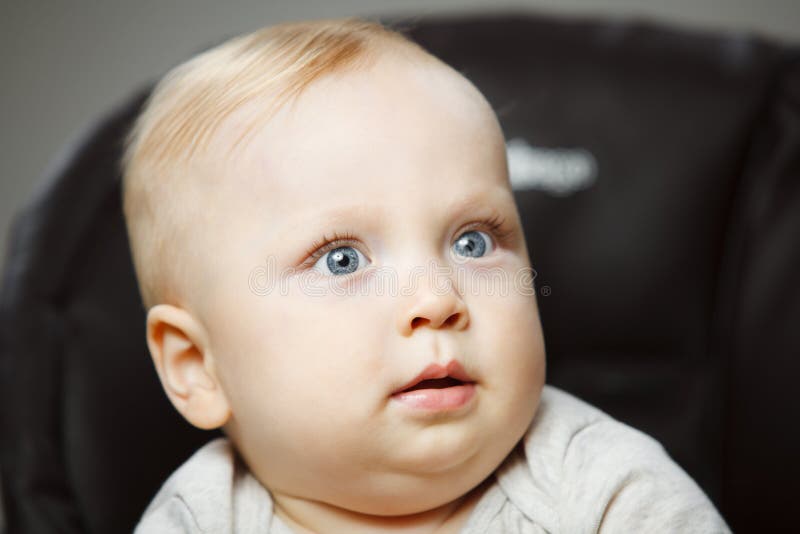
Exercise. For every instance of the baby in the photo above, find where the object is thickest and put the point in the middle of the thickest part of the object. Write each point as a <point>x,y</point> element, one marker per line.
<point>321,222</point>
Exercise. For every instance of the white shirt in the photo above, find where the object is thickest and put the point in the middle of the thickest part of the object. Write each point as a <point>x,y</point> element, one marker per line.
<point>576,470</point>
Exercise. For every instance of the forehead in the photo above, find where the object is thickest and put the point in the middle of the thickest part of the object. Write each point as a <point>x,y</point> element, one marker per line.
<point>398,134</point>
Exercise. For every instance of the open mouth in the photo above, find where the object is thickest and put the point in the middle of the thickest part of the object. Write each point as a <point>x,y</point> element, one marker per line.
<point>435,383</point>
<point>437,389</point>
<point>437,376</point>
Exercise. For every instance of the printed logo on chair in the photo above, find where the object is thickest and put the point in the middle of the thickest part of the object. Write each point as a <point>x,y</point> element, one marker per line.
<point>557,171</point>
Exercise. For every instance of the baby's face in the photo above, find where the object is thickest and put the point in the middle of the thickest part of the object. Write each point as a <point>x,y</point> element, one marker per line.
<point>312,344</point>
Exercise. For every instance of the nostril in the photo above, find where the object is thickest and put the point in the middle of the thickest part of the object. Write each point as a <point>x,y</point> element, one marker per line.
<point>453,319</point>
<point>417,321</point>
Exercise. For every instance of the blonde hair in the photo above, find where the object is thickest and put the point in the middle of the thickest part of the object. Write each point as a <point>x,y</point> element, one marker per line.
<point>188,106</point>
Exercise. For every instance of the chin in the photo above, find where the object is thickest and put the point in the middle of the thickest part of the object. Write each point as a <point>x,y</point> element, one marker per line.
<point>408,498</point>
<point>439,452</point>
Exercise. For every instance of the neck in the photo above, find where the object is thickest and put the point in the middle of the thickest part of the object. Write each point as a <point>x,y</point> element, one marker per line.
<point>313,517</point>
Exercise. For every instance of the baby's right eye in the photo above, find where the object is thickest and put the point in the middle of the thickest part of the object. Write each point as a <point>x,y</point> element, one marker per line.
<point>340,261</point>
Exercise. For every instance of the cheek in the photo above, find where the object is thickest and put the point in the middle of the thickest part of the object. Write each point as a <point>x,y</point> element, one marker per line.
<point>511,351</point>
<point>296,350</point>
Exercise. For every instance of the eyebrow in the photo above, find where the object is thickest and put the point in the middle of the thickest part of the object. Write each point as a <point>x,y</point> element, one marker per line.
<point>474,201</point>
<point>371,215</point>
<point>343,214</point>
<point>458,207</point>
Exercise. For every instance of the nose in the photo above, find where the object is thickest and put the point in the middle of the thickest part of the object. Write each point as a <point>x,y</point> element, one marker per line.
<point>434,307</point>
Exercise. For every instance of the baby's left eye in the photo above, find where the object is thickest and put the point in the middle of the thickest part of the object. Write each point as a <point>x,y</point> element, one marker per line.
<point>473,244</point>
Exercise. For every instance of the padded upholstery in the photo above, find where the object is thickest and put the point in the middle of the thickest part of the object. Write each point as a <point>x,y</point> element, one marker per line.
<point>669,282</point>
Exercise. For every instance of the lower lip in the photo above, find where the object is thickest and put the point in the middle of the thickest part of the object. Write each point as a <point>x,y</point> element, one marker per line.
<point>443,399</point>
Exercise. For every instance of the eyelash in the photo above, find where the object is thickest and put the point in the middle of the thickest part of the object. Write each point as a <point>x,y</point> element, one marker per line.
<point>496,225</point>
<point>319,248</point>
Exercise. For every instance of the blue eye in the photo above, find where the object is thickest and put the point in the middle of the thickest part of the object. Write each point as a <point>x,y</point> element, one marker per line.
<point>340,261</point>
<point>473,244</point>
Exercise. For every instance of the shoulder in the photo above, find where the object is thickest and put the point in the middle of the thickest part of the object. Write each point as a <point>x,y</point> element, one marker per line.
<point>580,464</point>
<point>568,432</point>
<point>570,429</point>
<point>201,494</point>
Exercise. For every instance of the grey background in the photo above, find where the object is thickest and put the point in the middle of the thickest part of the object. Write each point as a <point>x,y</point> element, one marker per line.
<point>64,62</point>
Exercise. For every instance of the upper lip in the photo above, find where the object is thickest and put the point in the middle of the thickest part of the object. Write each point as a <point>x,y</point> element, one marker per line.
<point>453,369</point>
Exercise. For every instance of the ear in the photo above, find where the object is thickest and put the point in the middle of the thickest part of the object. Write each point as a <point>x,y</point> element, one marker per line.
<point>185,365</point>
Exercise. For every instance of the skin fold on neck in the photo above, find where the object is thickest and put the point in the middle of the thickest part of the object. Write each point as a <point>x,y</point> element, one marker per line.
<point>320,518</point>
